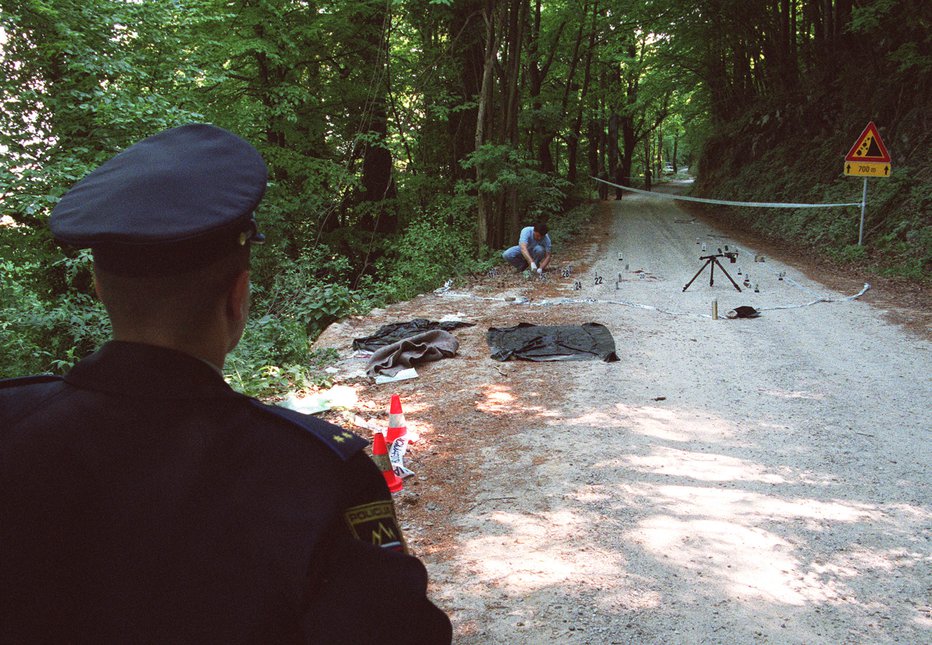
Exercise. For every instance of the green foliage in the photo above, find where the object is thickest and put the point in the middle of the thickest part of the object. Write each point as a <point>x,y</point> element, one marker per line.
<point>311,85</point>
<point>435,246</point>
<point>271,358</point>
<point>501,167</point>
<point>42,333</point>
<point>896,232</point>
<point>566,226</point>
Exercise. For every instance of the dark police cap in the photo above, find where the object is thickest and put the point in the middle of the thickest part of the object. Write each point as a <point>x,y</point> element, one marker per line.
<point>170,203</point>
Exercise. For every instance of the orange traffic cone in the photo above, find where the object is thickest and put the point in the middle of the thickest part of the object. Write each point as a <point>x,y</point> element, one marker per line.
<point>398,437</point>
<point>380,457</point>
<point>397,426</point>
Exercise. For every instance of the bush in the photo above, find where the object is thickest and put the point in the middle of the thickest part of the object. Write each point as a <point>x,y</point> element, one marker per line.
<point>43,333</point>
<point>502,167</point>
<point>436,245</point>
<point>304,298</point>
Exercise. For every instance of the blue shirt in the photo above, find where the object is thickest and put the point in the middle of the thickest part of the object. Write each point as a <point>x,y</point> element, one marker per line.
<point>527,237</point>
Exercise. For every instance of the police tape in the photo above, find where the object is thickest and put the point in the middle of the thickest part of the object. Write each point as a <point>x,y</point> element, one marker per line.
<point>724,202</point>
<point>549,302</point>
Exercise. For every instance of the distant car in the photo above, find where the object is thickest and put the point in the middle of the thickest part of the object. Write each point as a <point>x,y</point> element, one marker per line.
<point>668,167</point>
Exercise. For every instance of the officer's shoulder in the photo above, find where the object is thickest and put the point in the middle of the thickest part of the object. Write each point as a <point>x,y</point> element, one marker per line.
<point>23,381</point>
<point>341,441</point>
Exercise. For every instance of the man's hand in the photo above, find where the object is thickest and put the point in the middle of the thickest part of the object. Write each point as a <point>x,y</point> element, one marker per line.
<point>540,271</point>
<point>533,266</point>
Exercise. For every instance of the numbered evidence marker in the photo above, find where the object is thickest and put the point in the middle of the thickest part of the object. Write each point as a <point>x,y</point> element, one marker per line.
<point>577,285</point>
<point>566,272</point>
<point>598,280</point>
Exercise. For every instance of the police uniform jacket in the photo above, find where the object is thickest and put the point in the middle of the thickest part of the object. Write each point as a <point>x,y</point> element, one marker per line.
<point>144,500</point>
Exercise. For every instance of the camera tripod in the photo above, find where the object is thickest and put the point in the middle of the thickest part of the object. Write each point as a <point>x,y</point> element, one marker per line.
<point>711,261</point>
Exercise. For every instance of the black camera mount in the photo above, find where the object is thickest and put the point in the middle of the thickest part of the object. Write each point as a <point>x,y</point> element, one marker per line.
<point>711,261</point>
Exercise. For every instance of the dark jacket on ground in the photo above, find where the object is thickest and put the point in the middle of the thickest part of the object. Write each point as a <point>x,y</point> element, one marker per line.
<point>143,500</point>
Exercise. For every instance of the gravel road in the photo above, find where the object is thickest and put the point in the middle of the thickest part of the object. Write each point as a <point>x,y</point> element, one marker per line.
<point>756,480</point>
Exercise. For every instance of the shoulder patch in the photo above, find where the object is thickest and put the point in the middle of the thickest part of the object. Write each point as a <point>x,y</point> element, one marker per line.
<point>29,380</point>
<point>375,523</point>
<point>341,441</point>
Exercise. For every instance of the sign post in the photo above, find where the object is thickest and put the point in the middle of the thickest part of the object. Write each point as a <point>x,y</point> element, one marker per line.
<point>868,157</point>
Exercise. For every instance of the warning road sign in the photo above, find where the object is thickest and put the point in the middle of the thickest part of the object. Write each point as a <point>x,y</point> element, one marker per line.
<point>867,169</point>
<point>868,156</point>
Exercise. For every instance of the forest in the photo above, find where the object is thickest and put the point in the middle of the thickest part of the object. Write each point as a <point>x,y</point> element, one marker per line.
<point>408,140</point>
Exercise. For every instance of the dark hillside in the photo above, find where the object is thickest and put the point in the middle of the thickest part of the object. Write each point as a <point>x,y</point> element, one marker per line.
<point>789,146</point>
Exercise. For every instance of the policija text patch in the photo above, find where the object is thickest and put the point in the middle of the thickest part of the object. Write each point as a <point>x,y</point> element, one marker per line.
<point>376,523</point>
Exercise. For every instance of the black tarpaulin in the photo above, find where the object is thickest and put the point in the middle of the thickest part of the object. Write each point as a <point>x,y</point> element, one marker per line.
<point>529,342</point>
<point>392,333</point>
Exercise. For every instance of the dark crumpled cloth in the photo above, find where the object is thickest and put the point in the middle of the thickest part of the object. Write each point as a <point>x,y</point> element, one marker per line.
<point>392,333</point>
<point>429,346</point>
<point>743,311</point>
<point>530,342</point>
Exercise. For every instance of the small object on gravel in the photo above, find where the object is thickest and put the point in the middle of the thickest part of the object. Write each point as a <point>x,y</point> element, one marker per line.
<point>660,398</point>
<point>743,312</point>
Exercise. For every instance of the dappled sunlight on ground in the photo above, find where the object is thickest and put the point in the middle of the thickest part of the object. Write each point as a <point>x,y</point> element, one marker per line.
<point>701,466</point>
<point>500,399</point>
<point>735,525</point>
<point>661,423</point>
<point>523,556</point>
<point>736,503</point>
<point>746,561</point>
<point>497,399</point>
<point>794,394</point>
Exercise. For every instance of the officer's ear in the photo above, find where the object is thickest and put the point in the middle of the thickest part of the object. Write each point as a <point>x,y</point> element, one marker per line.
<point>237,305</point>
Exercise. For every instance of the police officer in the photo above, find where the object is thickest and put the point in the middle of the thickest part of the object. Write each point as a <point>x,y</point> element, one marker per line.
<point>143,500</point>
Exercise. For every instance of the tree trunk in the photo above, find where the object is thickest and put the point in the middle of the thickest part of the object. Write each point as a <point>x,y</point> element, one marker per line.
<point>377,172</point>
<point>486,228</point>
<point>466,35</point>
<point>647,163</point>
<point>676,143</point>
<point>573,142</point>
<point>511,219</point>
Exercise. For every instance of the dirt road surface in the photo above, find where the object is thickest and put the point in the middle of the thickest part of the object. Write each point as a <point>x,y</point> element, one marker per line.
<point>727,481</point>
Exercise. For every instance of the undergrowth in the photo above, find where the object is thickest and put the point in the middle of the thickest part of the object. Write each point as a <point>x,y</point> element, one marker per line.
<point>897,237</point>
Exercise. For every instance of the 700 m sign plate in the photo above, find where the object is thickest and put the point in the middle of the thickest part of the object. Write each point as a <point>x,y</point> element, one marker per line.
<point>867,168</point>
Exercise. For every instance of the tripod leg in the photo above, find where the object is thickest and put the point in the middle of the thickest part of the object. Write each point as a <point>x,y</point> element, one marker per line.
<point>728,276</point>
<point>712,263</point>
<point>697,275</point>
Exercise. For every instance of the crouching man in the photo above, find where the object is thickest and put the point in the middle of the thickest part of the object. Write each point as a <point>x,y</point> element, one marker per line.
<point>533,249</point>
